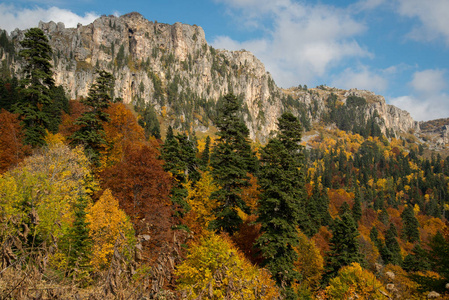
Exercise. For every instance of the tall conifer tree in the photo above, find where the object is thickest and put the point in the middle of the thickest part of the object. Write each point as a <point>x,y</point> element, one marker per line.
<point>281,206</point>
<point>91,133</point>
<point>36,86</point>
<point>231,160</point>
<point>344,245</point>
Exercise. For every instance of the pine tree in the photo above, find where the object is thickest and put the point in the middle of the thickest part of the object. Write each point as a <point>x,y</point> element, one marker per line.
<point>281,206</point>
<point>149,121</point>
<point>357,207</point>
<point>391,251</point>
<point>79,241</point>
<point>344,245</point>
<point>231,160</point>
<point>410,231</point>
<point>417,260</point>
<point>36,86</point>
<point>179,153</point>
<point>91,133</point>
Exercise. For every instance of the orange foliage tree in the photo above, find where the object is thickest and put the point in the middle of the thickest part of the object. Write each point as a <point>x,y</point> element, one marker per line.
<point>68,126</point>
<point>121,130</point>
<point>142,188</point>
<point>109,229</point>
<point>12,150</point>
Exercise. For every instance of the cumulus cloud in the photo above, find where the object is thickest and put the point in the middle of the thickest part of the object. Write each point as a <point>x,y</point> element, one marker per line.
<point>300,42</point>
<point>433,15</point>
<point>429,81</point>
<point>11,17</point>
<point>429,98</point>
<point>361,79</point>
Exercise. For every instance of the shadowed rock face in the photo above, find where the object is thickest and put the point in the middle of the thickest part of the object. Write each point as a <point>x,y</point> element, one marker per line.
<point>172,68</point>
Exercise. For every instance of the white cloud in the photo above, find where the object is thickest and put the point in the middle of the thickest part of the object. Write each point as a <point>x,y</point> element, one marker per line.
<point>12,17</point>
<point>363,5</point>
<point>300,42</point>
<point>433,15</point>
<point>361,79</point>
<point>429,99</point>
<point>424,108</point>
<point>429,81</point>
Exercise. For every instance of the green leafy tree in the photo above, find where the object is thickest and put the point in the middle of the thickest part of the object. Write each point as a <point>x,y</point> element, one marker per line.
<point>91,133</point>
<point>231,160</point>
<point>36,86</point>
<point>281,205</point>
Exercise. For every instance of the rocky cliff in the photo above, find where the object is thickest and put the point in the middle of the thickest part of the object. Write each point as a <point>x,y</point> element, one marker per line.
<point>173,69</point>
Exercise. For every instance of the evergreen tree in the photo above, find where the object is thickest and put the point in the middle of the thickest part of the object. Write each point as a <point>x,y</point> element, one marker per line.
<point>36,86</point>
<point>179,154</point>
<point>59,103</point>
<point>357,207</point>
<point>344,245</point>
<point>417,260</point>
<point>411,224</point>
<point>91,133</point>
<point>79,243</point>
<point>149,122</point>
<point>439,262</point>
<point>231,160</point>
<point>281,206</point>
<point>391,251</point>
<point>374,236</point>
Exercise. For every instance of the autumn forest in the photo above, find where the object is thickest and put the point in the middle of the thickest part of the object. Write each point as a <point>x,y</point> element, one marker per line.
<point>97,203</point>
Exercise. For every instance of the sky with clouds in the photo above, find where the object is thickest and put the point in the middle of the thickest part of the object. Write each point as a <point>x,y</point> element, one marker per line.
<point>396,48</point>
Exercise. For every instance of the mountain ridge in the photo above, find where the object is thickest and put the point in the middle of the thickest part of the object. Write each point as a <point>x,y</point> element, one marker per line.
<point>173,69</point>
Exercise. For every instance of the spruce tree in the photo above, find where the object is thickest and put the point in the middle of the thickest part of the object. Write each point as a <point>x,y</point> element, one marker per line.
<point>391,251</point>
<point>36,86</point>
<point>79,242</point>
<point>231,160</point>
<point>344,245</point>
<point>179,154</point>
<point>357,207</point>
<point>410,230</point>
<point>91,133</point>
<point>281,207</point>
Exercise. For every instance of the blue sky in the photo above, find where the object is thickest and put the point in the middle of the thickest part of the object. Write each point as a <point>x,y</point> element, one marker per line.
<point>396,48</point>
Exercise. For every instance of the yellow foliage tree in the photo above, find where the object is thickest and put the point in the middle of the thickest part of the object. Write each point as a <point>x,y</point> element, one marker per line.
<point>43,190</point>
<point>214,269</point>
<point>310,263</point>
<point>109,229</point>
<point>355,282</point>
<point>202,206</point>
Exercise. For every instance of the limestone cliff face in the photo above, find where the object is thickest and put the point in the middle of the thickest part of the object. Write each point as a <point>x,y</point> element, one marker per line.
<point>172,68</point>
<point>391,117</point>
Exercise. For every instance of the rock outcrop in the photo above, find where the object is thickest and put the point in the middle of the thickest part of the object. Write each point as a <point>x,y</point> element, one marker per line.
<point>172,68</point>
